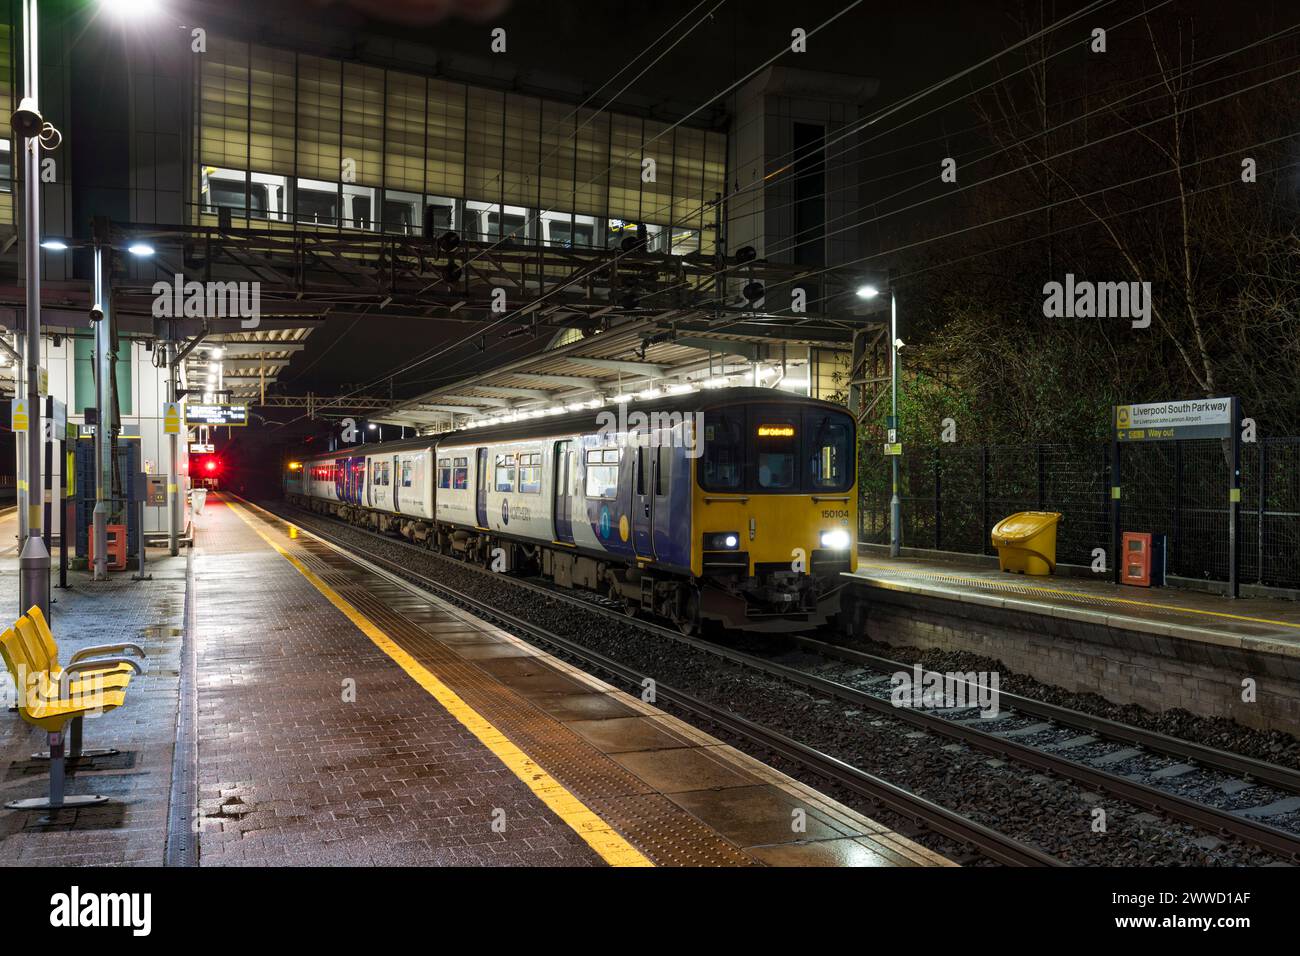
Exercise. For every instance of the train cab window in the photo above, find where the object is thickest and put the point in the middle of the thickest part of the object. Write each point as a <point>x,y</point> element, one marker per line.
<point>460,473</point>
<point>602,472</point>
<point>444,472</point>
<point>828,449</point>
<point>505,472</point>
<point>723,465</point>
<point>776,451</point>
<point>530,474</point>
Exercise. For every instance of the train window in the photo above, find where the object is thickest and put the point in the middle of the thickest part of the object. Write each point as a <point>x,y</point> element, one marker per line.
<point>602,473</point>
<point>460,473</point>
<point>641,463</point>
<point>828,450</point>
<point>724,449</point>
<point>505,472</point>
<point>664,469</point>
<point>444,472</point>
<point>408,469</point>
<point>530,474</point>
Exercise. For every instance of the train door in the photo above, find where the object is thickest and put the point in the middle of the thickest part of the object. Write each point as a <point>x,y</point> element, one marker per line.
<point>643,501</point>
<point>662,515</point>
<point>397,483</point>
<point>563,485</point>
<point>481,486</point>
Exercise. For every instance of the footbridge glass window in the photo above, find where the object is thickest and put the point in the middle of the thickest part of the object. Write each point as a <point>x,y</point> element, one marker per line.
<point>273,124</point>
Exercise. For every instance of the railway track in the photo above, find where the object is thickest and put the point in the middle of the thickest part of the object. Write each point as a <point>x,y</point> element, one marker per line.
<point>1204,816</point>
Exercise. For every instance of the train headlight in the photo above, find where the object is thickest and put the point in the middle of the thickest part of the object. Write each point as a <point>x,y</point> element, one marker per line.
<point>837,540</point>
<point>722,541</point>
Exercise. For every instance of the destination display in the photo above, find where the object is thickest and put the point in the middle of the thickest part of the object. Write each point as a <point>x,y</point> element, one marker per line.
<point>221,415</point>
<point>1174,421</point>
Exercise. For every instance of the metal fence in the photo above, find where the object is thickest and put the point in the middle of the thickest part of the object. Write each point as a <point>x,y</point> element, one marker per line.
<point>952,495</point>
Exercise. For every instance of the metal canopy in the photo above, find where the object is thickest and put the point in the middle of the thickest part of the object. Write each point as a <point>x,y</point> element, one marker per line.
<point>604,321</point>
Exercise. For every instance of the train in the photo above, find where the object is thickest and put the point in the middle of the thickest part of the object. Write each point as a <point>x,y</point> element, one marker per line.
<point>731,507</point>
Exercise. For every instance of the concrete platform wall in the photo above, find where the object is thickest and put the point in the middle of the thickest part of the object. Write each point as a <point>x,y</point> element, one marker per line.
<point>1158,672</point>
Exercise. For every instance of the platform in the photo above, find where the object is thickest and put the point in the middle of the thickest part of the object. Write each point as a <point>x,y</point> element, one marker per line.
<point>1194,615</point>
<point>1160,647</point>
<point>132,828</point>
<point>356,719</point>
<point>329,714</point>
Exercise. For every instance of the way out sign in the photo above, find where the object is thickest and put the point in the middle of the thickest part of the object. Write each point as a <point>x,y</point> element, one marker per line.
<point>171,418</point>
<point>1175,421</point>
<point>20,418</point>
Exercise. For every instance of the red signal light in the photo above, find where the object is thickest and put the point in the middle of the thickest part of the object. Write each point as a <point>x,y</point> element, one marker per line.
<point>211,465</point>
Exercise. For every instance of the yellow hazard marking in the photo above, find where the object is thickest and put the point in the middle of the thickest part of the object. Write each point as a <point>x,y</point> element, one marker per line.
<point>598,834</point>
<point>1085,596</point>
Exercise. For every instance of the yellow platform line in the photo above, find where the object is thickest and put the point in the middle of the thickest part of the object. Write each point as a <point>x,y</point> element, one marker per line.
<point>599,835</point>
<point>1079,595</point>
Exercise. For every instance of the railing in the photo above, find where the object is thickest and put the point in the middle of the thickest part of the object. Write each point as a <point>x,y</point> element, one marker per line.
<point>952,495</point>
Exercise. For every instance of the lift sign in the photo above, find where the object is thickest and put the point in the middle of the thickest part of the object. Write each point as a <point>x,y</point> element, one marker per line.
<point>221,415</point>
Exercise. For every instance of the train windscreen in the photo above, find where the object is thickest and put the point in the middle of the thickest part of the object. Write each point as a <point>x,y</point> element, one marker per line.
<point>777,449</point>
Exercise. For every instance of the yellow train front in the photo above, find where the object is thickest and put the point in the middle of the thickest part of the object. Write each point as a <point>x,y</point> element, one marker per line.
<point>774,510</point>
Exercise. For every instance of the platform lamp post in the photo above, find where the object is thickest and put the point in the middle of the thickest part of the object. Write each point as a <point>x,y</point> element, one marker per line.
<point>895,357</point>
<point>30,127</point>
<point>101,297</point>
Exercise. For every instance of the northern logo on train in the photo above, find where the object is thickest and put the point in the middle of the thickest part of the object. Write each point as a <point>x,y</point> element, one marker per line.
<point>505,511</point>
<point>604,522</point>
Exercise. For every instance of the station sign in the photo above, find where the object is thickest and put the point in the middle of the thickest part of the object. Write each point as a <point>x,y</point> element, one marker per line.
<point>202,448</point>
<point>171,418</point>
<point>217,415</point>
<point>56,419</point>
<point>1174,421</point>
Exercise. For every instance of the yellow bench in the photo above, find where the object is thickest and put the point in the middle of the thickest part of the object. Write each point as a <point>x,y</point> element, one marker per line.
<point>58,698</point>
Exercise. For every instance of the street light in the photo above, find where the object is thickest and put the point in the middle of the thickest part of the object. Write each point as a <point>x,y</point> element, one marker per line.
<point>136,9</point>
<point>896,346</point>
